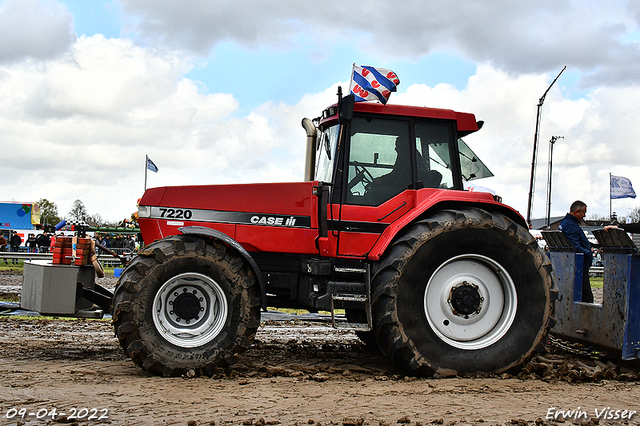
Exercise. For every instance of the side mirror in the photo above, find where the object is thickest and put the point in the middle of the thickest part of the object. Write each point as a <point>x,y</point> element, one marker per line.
<point>345,109</point>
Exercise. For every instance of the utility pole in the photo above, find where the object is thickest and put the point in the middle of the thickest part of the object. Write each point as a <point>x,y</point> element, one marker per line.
<point>535,149</point>
<point>551,143</point>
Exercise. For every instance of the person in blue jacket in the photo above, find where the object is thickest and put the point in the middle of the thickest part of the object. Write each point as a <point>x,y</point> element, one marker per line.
<point>570,227</point>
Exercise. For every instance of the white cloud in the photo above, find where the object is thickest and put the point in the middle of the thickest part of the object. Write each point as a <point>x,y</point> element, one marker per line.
<point>521,37</point>
<point>599,137</point>
<point>34,29</point>
<point>79,127</point>
<point>78,123</point>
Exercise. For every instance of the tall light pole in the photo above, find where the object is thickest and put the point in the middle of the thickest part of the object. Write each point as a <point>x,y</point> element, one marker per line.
<point>535,150</point>
<point>551,143</point>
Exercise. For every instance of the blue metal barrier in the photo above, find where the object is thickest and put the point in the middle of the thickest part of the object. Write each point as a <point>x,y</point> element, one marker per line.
<point>614,324</point>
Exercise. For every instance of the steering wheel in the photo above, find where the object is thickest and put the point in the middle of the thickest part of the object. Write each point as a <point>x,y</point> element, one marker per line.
<point>362,175</point>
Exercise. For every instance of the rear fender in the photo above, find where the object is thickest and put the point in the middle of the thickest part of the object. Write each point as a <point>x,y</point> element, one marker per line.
<point>442,200</point>
<point>233,244</point>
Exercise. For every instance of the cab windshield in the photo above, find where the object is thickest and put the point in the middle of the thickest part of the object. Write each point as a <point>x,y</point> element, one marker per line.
<point>326,153</point>
<point>472,167</point>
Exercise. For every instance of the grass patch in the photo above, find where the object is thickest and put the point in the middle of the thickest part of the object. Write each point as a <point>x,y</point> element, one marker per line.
<point>596,282</point>
<point>48,318</point>
<point>289,310</point>
<point>292,311</point>
<point>18,269</point>
<point>11,268</point>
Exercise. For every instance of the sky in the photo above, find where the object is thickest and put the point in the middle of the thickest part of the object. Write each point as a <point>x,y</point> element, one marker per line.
<point>214,91</point>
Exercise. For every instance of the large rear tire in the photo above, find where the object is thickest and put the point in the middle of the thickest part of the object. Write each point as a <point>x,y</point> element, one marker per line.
<point>367,337</point>
<point>462,292</point>
<point>186,305</point>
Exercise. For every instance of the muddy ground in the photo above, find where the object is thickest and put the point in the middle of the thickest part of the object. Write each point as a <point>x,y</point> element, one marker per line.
<point>296,372</point>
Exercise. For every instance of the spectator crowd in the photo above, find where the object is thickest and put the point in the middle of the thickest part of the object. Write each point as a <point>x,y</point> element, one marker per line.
<point>44,243</point>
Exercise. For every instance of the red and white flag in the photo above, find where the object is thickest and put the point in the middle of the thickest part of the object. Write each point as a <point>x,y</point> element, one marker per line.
<point>373,84</point>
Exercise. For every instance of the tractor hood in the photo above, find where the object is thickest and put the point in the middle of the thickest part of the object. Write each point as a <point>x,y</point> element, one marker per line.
<point>281,207</point>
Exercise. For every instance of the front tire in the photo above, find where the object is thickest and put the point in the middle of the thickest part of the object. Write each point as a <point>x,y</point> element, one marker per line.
<point>462,292</point>
<point>186,305</point>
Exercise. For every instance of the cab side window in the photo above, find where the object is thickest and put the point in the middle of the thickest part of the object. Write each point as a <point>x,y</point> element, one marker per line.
<point>434,160</point>
<point>379,164</point>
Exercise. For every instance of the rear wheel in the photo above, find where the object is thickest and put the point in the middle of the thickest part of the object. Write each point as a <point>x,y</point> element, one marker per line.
<point>461,292</point>
<point>470,301</point>
<point>185,305</point>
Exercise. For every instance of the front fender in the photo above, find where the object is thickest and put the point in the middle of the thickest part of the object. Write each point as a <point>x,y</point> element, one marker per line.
<point>230,242</point>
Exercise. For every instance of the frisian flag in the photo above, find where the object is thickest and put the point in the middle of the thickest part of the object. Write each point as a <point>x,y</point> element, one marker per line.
<point>620,187</point>
<point>373,84</point>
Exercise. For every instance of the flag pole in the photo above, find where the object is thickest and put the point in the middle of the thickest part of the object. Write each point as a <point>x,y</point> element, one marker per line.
<point>146,161</point>
<point>353,67</point>
<point>610,209</point>
<point>532,181</point>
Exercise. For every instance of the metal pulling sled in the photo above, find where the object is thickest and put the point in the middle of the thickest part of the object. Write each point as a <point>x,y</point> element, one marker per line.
<point>613,325</point>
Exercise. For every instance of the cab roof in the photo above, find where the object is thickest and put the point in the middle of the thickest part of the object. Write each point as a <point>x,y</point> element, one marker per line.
<point>466,122</point>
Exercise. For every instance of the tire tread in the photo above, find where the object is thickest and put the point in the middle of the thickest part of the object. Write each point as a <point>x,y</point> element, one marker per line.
<point>388,329</point>
<point>127,312</point>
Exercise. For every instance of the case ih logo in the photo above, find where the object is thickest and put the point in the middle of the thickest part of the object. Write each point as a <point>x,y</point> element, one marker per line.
<point>273,221</point>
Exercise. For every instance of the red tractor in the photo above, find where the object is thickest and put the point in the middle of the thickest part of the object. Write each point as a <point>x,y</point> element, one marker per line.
<point>443,280</point>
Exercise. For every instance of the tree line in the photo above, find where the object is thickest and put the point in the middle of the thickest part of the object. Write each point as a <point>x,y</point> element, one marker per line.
<point>49,214</point>
<point>634,215</point>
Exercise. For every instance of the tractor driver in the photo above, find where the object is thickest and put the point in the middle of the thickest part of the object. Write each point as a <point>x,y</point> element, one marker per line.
<point>398,179</point>
<point>384,187</point>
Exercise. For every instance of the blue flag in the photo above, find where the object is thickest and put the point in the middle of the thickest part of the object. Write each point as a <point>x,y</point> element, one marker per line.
<point>151,166</point>
<point>373,84</point>
<point>621,187</point>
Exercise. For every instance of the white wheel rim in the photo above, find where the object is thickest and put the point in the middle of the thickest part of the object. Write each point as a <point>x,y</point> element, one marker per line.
<point>190,310</point>
<point>492,298</point>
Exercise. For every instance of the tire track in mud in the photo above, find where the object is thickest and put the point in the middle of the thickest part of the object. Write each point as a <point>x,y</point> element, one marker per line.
<point>296,349</point>
<point>294,373</point>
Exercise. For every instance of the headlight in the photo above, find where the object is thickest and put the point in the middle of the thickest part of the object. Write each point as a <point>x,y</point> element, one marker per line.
<point>144,211</point>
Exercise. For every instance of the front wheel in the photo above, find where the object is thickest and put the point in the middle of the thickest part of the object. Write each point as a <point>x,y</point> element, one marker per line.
<point>462,292</point>
<point>186,305</point>
<point>190,309</point>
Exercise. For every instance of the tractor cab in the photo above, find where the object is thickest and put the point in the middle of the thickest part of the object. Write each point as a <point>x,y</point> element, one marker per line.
<point>379,166</point>
<point>380,151</point>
